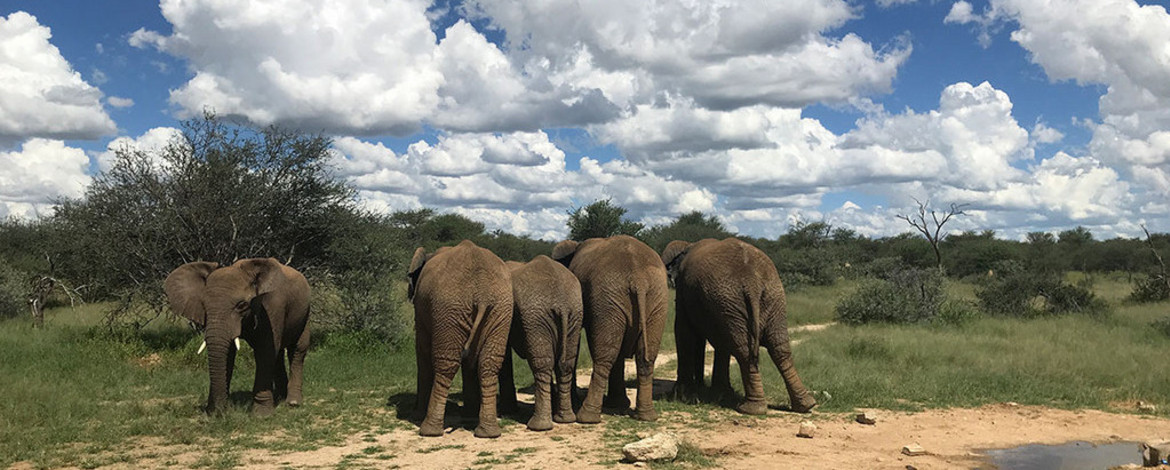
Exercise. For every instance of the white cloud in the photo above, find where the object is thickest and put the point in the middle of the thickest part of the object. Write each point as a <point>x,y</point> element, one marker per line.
<point>1043,134</point>
<point>42,170</point>
<point>151,142</point>
<point>40,93</point>
<point>119,102</point>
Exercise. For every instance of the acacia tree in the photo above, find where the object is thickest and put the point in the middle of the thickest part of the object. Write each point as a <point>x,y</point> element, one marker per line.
<point>932,228</point>
<point>600,219</point>
<point>218,192</point>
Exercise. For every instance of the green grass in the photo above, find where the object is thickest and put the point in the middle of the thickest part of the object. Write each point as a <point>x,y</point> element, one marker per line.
<point>75,397</point>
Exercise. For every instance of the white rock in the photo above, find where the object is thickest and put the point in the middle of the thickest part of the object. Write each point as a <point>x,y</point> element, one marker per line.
<point>866,417</point>
<point>661,446</point>
<point>807,430</point>
<point>913,449</point>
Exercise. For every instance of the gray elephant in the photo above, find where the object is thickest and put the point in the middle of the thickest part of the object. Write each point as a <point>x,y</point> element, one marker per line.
<point>729,293</point>
<point>546,330</point>
<point>462,311</point>
<point>260,300</point>
<point>623,287</point>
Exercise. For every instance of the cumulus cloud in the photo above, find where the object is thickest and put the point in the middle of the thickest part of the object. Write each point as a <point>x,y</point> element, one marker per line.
<point>119,102</point>
<point>40,93</point>
<point>151,142</point>
<point>39,172</point>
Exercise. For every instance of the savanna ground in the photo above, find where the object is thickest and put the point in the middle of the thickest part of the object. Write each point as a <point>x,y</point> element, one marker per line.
<point>71,396</point>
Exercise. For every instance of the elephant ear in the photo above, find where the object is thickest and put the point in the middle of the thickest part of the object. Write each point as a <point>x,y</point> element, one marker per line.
<point>564,251</point>
<point>266,273</point>
<point>184,289</point>
<point>674,253</point>
<point>416,264</point>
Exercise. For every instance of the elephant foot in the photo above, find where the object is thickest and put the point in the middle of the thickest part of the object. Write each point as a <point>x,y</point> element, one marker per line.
<point>263,410</point>
<point>753,407</point>
<point>803,404</point>
<point>488,431</point>
<point>565,417</point>
<point>646,415</point>
<point>621,402</point>
<point>684,393</point>
<point>588,416</point>
<point>294,399</point>
<point>430,430</point>
<point>538,423</point>
<point>721,393</point>
<point>293,403</point>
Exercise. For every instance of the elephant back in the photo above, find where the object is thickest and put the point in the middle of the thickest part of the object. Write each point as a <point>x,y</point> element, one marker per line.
<point>620,256</point>
<point>543,282</point>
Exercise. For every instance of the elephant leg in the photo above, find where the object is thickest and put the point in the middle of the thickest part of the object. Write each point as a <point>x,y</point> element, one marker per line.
<point>542,375</point>
<point>490,360</point>
<point>690,358</point>
<point>436,409</point>
<point>799,398</point>
<point>426,374</point>
<point>754,402</point>
<point>566,376</point>
<point>231,367</point>
<point>644,359</point>
<point>279,377</point>
<point>296,366</point>
<point>263,402</point>
<point>615,393</point>
<point>721,374</point>
<point>507,385</point>
<point>605,347</point>
<point>471,388</point>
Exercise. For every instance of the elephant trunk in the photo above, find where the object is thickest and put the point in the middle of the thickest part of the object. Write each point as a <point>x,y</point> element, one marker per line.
<point>221,341</point>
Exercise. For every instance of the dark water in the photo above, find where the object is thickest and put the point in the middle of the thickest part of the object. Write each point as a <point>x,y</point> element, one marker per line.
<point>1075,455</point>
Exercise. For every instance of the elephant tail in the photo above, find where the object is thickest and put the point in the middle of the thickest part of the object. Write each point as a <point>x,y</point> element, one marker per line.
<point>564,336</point>
<point>481,311</point>
<point>753,323</point>
<point>640,312</point>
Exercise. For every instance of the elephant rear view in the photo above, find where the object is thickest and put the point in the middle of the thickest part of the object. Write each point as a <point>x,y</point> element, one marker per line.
<point>729,293</point>
<point>462,311</point>
<point>260,300</point>
<point>623,288</point>
<point>546,330</point>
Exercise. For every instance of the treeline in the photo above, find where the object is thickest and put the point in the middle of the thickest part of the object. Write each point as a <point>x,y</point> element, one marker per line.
<point>222,192</point>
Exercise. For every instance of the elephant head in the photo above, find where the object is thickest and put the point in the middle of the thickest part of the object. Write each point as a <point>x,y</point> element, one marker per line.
<point>563,252</point>
<point>222,301</point>
<point>673,255</point>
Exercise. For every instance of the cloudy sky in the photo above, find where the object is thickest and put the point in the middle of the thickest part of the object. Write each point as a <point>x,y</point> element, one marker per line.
<point>1039,114</point>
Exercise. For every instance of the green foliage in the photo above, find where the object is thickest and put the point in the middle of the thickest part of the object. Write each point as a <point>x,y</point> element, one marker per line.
<point>690,227</point>
<point>905,296</point>
<point>1162,325</point>
<point>1153,288</point>
<point>600,219</point>
<point>14,289</point>
<point>1016,291</point>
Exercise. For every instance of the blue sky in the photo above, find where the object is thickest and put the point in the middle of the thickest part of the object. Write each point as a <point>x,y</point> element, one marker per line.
<point>1040,115</point>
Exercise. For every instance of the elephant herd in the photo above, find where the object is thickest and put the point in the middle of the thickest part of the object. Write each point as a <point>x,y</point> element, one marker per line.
<point>472,310</point>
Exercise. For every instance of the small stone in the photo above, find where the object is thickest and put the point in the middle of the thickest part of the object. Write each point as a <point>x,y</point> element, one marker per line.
<point>807,430</point>
<point>1012,404</point>
<point>913,450</point>
<point>911,467</point>
<point>866,418</point>
<point>639,464</point>
<point>1155,453</point>
<point>1146,407</point>
<point>661,446</point>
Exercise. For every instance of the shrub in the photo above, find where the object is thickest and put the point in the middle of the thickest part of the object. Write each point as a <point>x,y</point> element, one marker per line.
<point>1151,289</point>
<point>954,312</point>
<point>1162,325</point>
<point>905,296</point>
<point>360,302</point>
<point>1019,292</point>
<point>13,289</point>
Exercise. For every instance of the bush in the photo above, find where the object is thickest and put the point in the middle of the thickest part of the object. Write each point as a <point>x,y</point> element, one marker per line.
<point>905,296</point>
<point>1151,289</point>
<point>13,289</point>
<point>1019,292</point>
<point>357,302</point>
<point>1162,325</point>
<point>954,312</point>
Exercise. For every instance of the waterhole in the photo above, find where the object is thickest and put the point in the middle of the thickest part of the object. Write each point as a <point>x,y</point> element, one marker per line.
<point>1077,455</point>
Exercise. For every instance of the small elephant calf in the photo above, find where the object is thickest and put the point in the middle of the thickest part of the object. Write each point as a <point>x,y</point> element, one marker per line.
<point>546,330</point>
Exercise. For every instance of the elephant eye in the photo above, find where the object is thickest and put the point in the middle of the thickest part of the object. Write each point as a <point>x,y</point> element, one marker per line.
<point>241,305</point>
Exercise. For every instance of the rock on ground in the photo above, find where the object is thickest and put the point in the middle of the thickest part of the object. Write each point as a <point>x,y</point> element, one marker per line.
<point>661,446</point>
<point>807,430</point>
<point>1155,453</point>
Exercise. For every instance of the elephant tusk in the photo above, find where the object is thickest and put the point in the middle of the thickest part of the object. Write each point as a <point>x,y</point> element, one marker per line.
<point>237,343</point>
<point>202,346</point>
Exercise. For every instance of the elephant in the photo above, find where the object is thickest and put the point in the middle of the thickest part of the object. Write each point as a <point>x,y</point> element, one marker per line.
<point>623,289</point>
<point>546,330</point>
<point>729,293</point>
<point>462,312</point>
<point>260,300</point>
